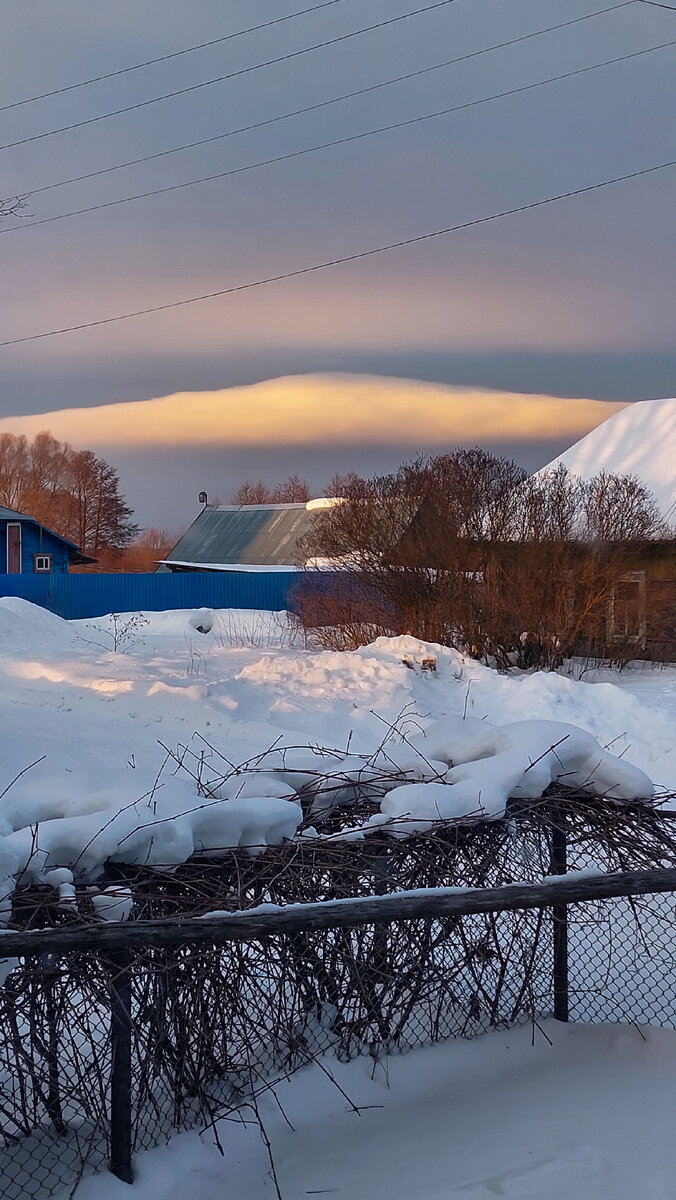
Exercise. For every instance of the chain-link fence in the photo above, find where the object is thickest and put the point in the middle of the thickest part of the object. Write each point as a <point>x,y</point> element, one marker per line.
<point>114,1037</point>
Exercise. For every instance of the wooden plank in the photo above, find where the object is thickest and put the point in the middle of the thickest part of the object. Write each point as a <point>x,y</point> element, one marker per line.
<point>336,914</point>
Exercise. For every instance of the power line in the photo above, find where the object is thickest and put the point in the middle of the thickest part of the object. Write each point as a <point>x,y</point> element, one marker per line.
<point>656,4</point>
<point>347,258</point>
<point>150,62</point>
<point>355,137</point>
<point>344,37</point>
<point>297,112</point>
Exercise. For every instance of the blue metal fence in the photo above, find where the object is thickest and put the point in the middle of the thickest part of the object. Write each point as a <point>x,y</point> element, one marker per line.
<point>79,596</point>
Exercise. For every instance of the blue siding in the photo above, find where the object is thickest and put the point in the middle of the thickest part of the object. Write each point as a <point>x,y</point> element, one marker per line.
<point>34,540</point>
<point>81,596</point>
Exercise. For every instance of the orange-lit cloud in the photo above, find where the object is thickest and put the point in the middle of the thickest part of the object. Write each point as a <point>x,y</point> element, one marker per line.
<point>322,409</point>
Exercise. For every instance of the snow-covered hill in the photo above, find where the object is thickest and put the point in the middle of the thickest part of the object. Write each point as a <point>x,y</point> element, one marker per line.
<point>640,440</point>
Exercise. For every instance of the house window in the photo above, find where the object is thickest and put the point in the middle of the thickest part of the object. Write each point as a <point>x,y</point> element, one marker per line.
<point>627,609</point>
<point>42,562</point>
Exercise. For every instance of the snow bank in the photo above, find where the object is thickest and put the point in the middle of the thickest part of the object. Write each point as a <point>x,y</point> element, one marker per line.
<point>23,624</point>
<point>333,694</point>
<point>268,728</point>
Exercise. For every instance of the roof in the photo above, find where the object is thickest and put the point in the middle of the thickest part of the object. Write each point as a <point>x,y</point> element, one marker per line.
<point>11,514</point>
<point>260,568</point>
<point>244,536</point>
<point>77,556</point>
<point>640,440</point>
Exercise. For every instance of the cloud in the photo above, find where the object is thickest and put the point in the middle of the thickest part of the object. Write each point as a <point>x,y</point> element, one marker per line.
<point>328,409</point>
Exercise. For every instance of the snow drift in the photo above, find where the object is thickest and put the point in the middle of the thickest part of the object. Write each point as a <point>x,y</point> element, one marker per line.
<point>194,742</point>
<point>640,440</point>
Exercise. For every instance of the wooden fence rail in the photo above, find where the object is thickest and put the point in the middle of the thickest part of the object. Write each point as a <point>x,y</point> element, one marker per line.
<point>425,903</point>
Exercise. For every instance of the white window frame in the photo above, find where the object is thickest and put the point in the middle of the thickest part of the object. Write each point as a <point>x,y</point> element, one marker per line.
<point>13,525</point>
<point>614,634</point>
<point>42,570</point>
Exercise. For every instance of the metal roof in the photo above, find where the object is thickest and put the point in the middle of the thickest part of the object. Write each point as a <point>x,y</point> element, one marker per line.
<point>11,514</point>
<point>246,535</point>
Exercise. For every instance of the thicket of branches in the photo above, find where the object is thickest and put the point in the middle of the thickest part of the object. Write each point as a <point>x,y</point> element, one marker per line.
<point>142,555</point>
<point>73,492</point>
<point>214,1026</point>
<point>466,549</point>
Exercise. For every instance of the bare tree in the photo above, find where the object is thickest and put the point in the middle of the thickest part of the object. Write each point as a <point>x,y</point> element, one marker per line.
<point>413,536</point>
<point>14,470</point>
<point>73,492</point>
<point>99,516</point>
<point>292,491</point>
<point>342,484</point>
<point>618,508</point>
<point>465,549</point>
<point>252,493</point>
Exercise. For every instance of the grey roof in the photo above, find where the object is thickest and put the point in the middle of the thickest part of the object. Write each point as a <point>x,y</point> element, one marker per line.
<point>247,535</point>
<point>11,514</point>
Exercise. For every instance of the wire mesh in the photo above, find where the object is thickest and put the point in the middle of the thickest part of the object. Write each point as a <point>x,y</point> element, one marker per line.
<point>622,961</point>
<point>210,1027</point>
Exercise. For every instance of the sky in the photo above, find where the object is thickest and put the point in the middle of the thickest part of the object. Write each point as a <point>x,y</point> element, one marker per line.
<point>574,299</point>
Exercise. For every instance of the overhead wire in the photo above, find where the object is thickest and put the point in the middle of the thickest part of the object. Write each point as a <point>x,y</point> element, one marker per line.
<point>342,141</point>
<point>309,108</point>
<point>269,62</point>
<point>344,259</point>
<point>151,62</point>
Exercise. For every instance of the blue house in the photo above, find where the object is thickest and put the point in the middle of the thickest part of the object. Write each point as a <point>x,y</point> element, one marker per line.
<point>28,548</point>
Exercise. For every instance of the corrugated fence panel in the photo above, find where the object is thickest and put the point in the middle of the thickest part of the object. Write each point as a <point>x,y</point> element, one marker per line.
<point>36,588</point>
<point>80,596</point>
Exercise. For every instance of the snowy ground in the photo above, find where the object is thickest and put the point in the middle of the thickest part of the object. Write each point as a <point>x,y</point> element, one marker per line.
<point>589,1117</point>
<point>100,722</point>
<point>653,686</point>
<point>66,695</point>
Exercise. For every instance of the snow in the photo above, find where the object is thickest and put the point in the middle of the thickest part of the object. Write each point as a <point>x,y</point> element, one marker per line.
<point>111,904</point>
<point>558,1112</point>
<point>323,502</point>
<point>92,740</point>
<point>207,566</point>
<point>640,440</point>
<point>488,766</point>
<point>90,746</point>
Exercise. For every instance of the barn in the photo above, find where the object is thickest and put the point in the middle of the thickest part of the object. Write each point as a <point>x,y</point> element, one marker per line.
<point>28,548</point>
<point>245,537</point>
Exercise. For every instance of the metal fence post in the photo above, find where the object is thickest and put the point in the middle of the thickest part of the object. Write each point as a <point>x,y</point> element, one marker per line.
<point>120,1066</point>
<point>559,866</point>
